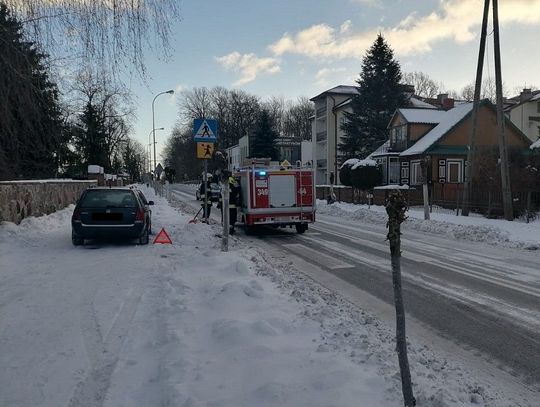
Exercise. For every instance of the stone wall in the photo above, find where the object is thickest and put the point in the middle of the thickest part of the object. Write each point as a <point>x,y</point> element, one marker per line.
<point>20,199</point>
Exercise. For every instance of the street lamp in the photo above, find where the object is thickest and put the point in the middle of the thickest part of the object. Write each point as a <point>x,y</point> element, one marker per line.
<point>150,148</point>
<point>170,92</point>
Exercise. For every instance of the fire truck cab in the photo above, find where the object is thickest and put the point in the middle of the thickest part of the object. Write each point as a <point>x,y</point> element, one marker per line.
<point>280,195</point>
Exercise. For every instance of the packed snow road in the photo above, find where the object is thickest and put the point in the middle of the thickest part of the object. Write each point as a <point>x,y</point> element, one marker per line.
<point>486,299</point>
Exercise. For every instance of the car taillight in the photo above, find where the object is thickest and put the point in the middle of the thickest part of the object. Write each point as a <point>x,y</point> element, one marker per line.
<point>76,215</point>
<point>140,215</point>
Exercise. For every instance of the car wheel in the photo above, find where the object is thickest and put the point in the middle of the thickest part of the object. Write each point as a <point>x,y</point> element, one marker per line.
<point>144,239</point>
<point>76,240</point>
<point>301,227</point>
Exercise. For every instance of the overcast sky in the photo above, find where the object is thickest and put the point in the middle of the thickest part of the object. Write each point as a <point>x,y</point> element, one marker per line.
<point>294,48</point>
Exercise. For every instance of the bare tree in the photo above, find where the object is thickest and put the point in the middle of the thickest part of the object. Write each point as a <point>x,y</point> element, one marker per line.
<point>111,35</point>
<point>396,206</point>
<point>424,86</point>
<point>195,103</point>
<point>488,91</point>
<point>297,122</point>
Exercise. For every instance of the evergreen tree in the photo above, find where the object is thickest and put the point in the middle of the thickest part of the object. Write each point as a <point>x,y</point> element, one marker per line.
<point>379,95</point>
<point>264,137</point>
<point>30,125</point>
<point>91,141</point>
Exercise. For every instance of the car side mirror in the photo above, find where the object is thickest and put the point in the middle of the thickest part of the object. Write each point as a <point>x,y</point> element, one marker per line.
<point>150,202</point>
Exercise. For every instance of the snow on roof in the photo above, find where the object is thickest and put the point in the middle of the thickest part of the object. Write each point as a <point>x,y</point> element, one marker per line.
<point>450,119</point>
<point>364,163</point>
<point>382,149</point>
<point>414,101</point>
<point>342,89</point>
<point>536,144</point>
<point>431,116</point>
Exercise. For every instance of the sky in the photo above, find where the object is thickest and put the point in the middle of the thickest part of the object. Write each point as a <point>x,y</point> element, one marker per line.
<point>293,48</point>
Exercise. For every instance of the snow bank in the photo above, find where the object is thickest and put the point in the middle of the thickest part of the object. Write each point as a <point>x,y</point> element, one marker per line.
<point>475,228</point>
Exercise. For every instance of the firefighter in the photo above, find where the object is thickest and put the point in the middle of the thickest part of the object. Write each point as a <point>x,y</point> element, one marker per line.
<point>204,189</point>
<point>234,202</point>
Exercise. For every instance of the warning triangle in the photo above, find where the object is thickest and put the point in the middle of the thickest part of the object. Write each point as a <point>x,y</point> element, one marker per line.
<point>162,237</point>
<point>205,130</point>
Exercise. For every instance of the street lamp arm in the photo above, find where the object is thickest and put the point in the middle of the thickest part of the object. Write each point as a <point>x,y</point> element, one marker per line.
<point>170,92</point>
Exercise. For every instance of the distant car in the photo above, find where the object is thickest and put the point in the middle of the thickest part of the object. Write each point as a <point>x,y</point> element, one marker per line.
<point>215,192</point>
<point>111,213</point>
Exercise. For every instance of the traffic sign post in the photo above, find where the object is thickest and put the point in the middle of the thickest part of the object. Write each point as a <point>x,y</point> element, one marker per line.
<point>205,130</point>
<point>205,134</point>
<point>205,151</point>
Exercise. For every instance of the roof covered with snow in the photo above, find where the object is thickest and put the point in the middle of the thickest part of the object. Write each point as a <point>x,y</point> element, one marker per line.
<point>341,89</point>
<point>415,102</point>
<point>450,119</point>
<point>430,116</point>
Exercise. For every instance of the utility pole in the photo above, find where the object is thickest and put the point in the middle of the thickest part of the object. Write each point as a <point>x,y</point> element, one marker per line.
<point>503,150</point>
<point>471,153</point>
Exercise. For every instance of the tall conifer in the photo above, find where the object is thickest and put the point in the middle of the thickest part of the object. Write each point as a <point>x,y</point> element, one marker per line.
<point>379,95</point>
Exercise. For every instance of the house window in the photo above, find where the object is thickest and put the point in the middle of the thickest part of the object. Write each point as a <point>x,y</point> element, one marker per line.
<point>416,173</point>
<point>382,165</point>
<point>393,170</point>
<point>454,171</point>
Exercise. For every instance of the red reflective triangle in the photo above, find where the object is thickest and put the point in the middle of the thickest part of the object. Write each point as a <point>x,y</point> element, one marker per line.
<point>162,237</point>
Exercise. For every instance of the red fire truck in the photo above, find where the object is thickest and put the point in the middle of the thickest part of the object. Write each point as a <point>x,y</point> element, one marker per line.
<point>278,196</point>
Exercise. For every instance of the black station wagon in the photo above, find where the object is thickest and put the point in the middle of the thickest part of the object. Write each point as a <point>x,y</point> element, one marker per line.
<point>111,213</point>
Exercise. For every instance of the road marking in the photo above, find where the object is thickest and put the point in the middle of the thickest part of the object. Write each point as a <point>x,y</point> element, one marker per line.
<point>318,257</point>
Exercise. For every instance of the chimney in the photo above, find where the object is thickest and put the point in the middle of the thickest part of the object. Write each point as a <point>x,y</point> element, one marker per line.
<point>448,103</point>
<point>525,95</point>
<point>444,101</point>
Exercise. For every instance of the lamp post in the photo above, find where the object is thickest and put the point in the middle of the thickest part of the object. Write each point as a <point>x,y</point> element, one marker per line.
<point>170,92</point>
<point>150,148</point>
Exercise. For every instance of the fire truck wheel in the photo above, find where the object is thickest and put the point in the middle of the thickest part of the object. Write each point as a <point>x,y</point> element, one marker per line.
<point>301,227</point>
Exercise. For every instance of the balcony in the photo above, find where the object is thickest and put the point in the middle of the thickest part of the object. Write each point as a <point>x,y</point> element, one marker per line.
<point>321,112</point>
<point>321,136</point>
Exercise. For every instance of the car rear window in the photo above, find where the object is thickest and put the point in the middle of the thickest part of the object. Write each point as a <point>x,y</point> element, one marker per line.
<point>108,198</point>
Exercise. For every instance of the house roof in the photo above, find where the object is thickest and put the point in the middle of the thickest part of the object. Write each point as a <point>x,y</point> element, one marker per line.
<point>450,119</point>
<point>516,101</point>
<point>416,102</point>
<point>340,89</point>
<point>429,116</point>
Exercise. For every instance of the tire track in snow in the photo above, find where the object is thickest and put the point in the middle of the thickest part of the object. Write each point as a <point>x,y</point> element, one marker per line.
<point>102,353</point>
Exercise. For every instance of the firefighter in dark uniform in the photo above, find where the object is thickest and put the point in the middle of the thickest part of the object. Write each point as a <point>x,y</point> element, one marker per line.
<point>235,198</point>
<point>204,189</point>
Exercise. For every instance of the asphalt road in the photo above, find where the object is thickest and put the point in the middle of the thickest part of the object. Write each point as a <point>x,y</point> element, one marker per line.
<point>487,299</point>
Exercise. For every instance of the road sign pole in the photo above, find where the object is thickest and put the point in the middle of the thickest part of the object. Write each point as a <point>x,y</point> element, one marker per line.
<point>205,180</point>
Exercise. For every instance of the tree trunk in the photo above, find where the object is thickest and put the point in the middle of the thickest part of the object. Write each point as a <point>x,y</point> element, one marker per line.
<point>396,207</point>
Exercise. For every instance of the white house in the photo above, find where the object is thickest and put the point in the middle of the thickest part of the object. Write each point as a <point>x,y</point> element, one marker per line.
<point>524,112</point>
<point>326,133</point>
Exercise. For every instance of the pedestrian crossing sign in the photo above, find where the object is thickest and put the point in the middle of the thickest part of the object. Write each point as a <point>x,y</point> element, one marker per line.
<point>205,151</point>
<point>205,130</point>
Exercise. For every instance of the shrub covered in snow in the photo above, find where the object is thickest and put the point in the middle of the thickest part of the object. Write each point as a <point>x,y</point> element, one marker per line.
<point>360,174</point>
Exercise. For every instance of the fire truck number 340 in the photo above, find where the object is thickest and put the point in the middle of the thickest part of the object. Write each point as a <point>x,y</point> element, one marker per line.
<point>262,192</point>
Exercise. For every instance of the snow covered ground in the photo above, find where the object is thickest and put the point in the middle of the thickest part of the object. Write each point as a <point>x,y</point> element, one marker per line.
<point>186,325</point>
<point>444,222</point>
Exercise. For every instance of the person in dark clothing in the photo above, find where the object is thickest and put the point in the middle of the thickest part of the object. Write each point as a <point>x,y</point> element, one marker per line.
<point>204,189</point>
<point>234,202</point>
<point>235,198</point>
